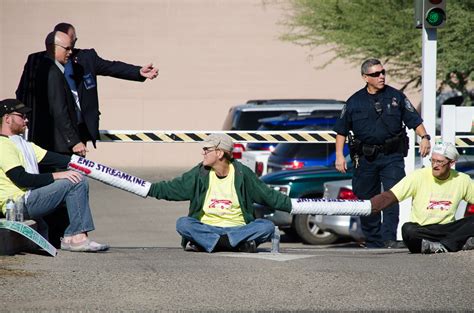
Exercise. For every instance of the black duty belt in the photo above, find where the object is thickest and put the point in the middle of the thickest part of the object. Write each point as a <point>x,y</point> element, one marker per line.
<point>371,150</point>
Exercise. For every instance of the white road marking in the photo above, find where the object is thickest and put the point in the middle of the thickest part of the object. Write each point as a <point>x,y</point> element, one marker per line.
<point>281,257</point>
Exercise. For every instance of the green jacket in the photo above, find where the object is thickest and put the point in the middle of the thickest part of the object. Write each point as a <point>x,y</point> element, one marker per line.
<point>193,186</point>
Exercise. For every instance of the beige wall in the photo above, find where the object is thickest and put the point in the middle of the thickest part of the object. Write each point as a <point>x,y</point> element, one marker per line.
<point>212,54</point>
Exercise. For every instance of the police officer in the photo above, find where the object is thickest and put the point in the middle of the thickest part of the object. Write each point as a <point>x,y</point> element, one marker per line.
<point>377,115</point>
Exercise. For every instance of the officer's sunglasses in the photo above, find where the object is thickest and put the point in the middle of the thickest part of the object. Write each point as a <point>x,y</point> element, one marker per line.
<point>376,74</point>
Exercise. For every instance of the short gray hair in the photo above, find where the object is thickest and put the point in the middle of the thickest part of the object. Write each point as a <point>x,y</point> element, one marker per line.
<point>364,68</point>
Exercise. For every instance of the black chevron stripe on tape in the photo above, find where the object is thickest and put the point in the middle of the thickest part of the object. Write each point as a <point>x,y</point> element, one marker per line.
<point>258,137</point>
<point>112,137</point>
<point>297,137</point>
<point>468,141</point>
<point>175,137</point>
<point>194,137</point>
<point>153,137</point>
<point>236,137</point>
<point>318,137</point>
<point>279,138</point>
<point>134,137</point>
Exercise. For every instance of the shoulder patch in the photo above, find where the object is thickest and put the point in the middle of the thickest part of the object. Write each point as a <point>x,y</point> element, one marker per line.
<point>409,106</point>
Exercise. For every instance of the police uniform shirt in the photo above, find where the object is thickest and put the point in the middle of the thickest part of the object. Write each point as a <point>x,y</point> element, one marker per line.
<point>375,118</point>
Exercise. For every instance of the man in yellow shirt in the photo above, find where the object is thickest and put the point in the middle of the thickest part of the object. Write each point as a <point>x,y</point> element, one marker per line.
<point>42,193</point>
<point>436,193</point>
<point>221,192</point>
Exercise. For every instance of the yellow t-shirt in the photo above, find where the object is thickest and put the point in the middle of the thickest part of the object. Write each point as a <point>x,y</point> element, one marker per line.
<point>434,201</point>
<point>221,206</point>
<point>11,157</point>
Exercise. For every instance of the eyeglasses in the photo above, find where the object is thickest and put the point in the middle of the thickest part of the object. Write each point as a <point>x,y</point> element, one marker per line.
<point>65,48</point>
<point>23,116</point>
<point>376,74</point>
<point>439,162</point>
<point>207,150</point>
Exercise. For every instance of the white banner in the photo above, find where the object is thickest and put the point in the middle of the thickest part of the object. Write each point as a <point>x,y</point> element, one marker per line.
<point>110,176</point>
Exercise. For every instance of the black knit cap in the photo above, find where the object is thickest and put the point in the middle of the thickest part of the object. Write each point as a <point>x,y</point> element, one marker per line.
<point>8,106</point>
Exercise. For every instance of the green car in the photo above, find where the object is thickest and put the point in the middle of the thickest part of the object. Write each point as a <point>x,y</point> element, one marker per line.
<point>302,183</point>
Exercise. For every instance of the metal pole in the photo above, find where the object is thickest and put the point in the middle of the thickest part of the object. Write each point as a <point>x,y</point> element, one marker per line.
<point>428,102</point>
<point>448,123</point>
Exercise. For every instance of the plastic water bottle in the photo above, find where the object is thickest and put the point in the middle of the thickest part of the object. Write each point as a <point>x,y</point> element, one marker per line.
<point>276,241</point>
<point>10,210</point>
<point>20,203</point>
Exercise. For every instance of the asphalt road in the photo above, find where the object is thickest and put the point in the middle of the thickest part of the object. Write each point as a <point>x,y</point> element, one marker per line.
<point>146,270</point>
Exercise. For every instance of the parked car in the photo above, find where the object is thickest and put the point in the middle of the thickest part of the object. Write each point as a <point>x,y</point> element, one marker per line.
<point>349,226</point>
<point>302,183</point>
<point>246,116</point>
<point>256,154</point>
<point>340,225</point>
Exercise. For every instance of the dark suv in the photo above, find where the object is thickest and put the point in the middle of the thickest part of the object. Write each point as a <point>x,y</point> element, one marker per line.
<point>246,116</point>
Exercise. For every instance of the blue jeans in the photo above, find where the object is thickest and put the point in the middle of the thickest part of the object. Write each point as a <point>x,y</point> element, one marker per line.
<point>207,236</point>
<point>386,171</point>
<point>44,200</point>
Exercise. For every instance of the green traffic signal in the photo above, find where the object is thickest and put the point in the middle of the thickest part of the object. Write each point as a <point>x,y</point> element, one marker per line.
<point>434,13</point>
<point>435,17</point>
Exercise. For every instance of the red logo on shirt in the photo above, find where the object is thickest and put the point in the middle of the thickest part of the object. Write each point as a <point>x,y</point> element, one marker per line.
<point>439,205</point>
<point>220,204</point>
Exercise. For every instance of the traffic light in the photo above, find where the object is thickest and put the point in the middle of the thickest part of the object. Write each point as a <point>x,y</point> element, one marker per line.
<point>434,13</point>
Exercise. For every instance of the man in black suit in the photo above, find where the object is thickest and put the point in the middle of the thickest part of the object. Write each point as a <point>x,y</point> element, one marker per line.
<point>81,75</point>
<point>80,69</point>
<point>56,115</point>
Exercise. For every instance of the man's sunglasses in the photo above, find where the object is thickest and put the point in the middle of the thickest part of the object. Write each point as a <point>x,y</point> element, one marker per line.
<point>23,116</point>
<point>376,74</point>
<point>207,150</point>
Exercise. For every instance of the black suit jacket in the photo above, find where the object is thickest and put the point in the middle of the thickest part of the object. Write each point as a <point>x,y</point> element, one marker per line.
<point>86,66</point>
<point>26,91</point>
<point>54,123</point>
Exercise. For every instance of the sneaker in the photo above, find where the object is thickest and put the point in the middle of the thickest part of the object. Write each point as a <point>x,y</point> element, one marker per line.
<point>393,244</point>
<point>64,245</point>
<point>85,246</point>
<point>428,247</point>
<point>469,245</point>
<point>248,247</point>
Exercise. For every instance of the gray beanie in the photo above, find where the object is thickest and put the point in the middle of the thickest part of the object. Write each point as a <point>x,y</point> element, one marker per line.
<point>447,150</point>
